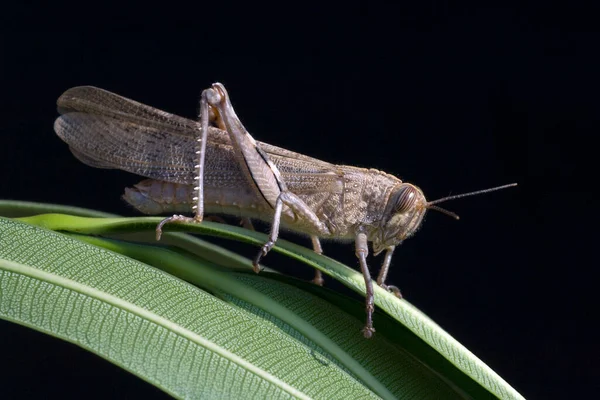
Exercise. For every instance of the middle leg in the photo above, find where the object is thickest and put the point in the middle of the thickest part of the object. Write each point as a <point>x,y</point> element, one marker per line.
<point>261,173</point>
<point>318,279</point>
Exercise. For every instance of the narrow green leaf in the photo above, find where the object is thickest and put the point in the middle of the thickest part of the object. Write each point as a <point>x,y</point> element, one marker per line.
<point>208,251</point>
<point>379,365</point>
<point>175,336</point>
<point>423,339</point>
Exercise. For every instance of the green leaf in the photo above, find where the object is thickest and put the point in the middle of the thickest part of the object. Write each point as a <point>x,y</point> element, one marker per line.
<point>298,339</point>
<point>15,209</point>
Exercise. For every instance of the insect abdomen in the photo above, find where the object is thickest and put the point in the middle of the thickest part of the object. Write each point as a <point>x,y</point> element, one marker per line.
<point>158,197</point>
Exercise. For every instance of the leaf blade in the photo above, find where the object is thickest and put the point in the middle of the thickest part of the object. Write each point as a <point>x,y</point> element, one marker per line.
<point>153,366</point>
<point>460,360</point>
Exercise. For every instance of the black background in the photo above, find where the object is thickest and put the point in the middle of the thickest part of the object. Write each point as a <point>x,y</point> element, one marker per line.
<point>451,98</point>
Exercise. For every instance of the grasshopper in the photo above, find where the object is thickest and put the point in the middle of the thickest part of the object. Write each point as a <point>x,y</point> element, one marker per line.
<point>215,165</point>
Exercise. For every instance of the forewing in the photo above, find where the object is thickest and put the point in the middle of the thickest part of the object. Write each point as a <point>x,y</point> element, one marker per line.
<point>105,130</point>
<point>106,142</point>
<point>96,101</point>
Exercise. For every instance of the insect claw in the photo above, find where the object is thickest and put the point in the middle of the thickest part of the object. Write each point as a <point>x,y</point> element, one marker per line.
<point>264,250</point>
<point>257,267</point>
<point>392,289</point>
<point>368,332</point>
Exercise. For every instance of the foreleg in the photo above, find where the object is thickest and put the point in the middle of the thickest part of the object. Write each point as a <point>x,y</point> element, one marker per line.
<point>362,251</point>
<point>384,271</point>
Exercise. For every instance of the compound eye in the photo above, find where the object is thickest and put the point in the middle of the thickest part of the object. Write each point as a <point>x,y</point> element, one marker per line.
<point>407,198</point>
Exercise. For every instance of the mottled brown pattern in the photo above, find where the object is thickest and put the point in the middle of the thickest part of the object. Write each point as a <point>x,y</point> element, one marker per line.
<point>240,177</point>
<point>105,130</point>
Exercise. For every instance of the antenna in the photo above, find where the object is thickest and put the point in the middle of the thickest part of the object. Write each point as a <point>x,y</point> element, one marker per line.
<point>431,204</point>
<point>444,211</point>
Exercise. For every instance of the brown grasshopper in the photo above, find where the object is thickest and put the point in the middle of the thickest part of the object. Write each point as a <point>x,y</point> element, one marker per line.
<point>222,169</point>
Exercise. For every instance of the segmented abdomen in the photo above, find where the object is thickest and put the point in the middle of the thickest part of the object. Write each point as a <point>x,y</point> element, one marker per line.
<point>158,197</point>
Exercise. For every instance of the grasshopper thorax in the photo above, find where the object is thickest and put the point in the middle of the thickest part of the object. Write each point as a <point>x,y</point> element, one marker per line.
<point>402,217</point>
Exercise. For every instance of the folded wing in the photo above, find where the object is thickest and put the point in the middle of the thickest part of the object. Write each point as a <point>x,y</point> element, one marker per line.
<point>105,130</point>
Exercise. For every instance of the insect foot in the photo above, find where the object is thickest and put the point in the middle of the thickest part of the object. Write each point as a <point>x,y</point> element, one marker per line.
<point>174,218</point>
<point>368,330</point>
<point>393,289</point>
<point>263,252</point>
